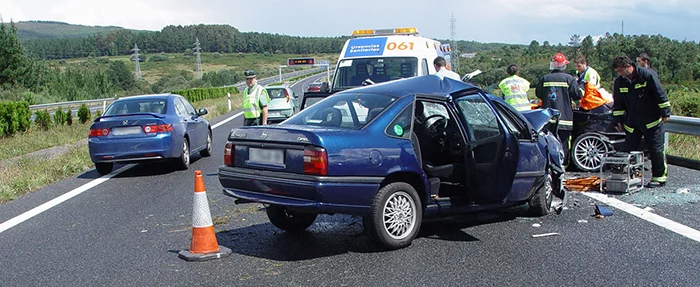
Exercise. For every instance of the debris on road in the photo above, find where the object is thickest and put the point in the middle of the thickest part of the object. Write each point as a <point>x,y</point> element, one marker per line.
<point>583,184</point>
<point>582,221</point>
<point>536,225</point>
<point>648,209</point>
<point>544,234</point>
<point>602,210</point>
<point>683,190</point>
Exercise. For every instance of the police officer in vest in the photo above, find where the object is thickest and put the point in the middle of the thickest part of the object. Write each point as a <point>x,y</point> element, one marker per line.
<point>255,100</point>
<point>514,89</point>
<point>556,90</point>
<point>641,108</point>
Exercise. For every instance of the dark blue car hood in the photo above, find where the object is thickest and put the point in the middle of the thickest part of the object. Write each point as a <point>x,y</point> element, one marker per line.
<point>540,118</point>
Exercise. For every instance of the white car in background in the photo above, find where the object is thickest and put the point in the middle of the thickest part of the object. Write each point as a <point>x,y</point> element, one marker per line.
<point>283,103</point>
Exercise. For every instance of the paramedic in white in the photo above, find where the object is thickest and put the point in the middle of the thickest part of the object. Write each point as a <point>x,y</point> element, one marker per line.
<point>443,72</point>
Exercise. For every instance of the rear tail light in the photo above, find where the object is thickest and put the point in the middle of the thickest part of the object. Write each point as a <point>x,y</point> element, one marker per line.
<point>228,154</point>
<point>315,161</point>
<point>99,133</point>
<point>286,94</point>
<point>158,128</point>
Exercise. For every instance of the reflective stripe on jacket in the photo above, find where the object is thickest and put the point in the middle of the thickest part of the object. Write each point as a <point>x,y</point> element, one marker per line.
<point>556,90</point>
<point>514,90</point>
<point>640,102</point>
<point>252,101</point>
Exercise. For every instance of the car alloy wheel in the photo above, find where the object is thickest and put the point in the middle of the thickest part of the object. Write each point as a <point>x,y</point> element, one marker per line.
<point>207,151</point>
<point>589,150</point>
<point>184,160</point>
<point>541,201</point>
<point>395,216</point>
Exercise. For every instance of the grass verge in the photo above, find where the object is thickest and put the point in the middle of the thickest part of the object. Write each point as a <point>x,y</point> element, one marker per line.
<point>685,146</point>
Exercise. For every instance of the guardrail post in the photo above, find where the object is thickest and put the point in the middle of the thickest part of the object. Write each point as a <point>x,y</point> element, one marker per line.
<point>229,101</point>
<point>104,106</point>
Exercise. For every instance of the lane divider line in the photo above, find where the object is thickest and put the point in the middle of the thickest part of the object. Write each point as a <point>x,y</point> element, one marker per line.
<point>85,187</point>
<point>647,216</point>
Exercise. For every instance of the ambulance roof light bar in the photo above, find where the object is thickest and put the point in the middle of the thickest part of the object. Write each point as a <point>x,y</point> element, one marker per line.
<point>378,32</point>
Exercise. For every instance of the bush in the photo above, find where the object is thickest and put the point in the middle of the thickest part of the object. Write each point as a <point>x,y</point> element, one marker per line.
<point>216,55</point>
<point>43,119</point>
<point>14,117</point>
<point>195,95</point>
<point>58,117</point>
<point>686,104</point>
<point>158,58</point>
<point>83,114</point>
<point>69,117</point>
<point>98,113</point>
<point>102,60</point>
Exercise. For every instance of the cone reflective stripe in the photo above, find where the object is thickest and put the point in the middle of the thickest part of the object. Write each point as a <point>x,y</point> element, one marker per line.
<point>204,245</point>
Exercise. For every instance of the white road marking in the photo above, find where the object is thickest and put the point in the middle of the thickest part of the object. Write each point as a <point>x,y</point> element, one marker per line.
<point>645,215</point>
<point>85,187</point>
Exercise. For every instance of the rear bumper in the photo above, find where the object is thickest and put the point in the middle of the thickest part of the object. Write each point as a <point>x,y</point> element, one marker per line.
<point>133,149</point>
<point>317,194</point>
<point>279,115</point>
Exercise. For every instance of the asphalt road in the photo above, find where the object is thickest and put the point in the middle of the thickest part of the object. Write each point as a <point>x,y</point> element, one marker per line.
<point>128,230</point>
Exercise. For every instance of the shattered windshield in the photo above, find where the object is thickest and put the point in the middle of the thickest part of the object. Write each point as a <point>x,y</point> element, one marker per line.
<point>352,72</point>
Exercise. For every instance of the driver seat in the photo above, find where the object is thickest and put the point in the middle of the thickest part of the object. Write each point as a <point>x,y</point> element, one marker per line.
<point>423,146</point>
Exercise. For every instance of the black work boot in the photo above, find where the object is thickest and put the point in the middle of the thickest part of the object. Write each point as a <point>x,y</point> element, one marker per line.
<point>655,184</point>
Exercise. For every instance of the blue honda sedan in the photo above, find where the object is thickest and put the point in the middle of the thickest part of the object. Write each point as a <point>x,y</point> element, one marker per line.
<point>148,128</point>
<point>395,153</point>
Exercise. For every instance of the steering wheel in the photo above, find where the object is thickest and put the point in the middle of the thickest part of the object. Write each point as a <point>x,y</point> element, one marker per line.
<point>437,127</point>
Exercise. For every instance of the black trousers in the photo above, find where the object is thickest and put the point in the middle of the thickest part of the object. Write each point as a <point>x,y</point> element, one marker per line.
<point>565,140</point>
<point>251,122</point>
<point>655,140</point>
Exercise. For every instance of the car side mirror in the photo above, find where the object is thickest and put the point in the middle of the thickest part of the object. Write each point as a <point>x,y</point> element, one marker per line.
<point>325,87</point>
<point>202,112</point>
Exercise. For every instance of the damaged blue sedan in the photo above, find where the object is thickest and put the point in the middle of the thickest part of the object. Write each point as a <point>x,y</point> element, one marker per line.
<point>396,153</point>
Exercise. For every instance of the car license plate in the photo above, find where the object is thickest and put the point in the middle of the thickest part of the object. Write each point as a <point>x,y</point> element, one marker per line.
<point>274,113</point>
<point>269,156</point>
<point>122,131</point>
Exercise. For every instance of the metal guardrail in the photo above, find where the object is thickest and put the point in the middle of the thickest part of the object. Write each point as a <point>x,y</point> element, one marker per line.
<point>686,126</point>
<point>683,125</point>
<point>72,103</point>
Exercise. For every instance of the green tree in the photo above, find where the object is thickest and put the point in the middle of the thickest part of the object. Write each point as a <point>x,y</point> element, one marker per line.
<point>13,63</point>
<point>120,75</point>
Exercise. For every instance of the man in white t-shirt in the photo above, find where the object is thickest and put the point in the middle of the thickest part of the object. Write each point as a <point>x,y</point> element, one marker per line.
<point>442,71</point>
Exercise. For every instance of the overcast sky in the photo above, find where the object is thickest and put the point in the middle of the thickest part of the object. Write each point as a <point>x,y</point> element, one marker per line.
<point>505,21</point>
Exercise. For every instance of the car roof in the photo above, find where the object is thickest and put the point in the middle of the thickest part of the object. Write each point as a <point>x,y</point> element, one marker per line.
<point>141,97</point>
<point>427,85</point>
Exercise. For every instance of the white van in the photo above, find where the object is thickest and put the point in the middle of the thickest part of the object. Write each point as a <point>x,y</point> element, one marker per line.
<point>375,56</point>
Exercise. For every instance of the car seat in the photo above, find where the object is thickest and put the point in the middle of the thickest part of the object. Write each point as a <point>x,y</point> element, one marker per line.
<point>331,117</point>
<point>373,113</point>
<point>360,74</point>
<point>157,108</point>
<point>407,70</point>
<point>380,74</point>
<point>424,147</point>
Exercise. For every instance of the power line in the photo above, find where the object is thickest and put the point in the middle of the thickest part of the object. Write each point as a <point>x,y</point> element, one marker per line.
<point>453,33</point>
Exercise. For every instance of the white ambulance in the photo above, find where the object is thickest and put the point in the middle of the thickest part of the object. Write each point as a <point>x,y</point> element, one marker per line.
<point>375,56</point>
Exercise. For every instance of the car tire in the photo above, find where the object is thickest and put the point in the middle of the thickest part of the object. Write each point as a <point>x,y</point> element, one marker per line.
<point>588,151</point>
<point>397,201</point>
<point>183,162</point>
<point>104,167</point>
<point>540,203</point>
<point>207,151</point>
<point>288,220</point>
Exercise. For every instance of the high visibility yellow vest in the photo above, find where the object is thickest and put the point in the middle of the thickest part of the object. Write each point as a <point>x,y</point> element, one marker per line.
<point>514,90</point>
<point>251,101</point>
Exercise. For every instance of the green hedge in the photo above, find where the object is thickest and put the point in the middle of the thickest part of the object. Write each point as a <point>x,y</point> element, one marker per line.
<point>14,117</point>
<point>195,95</point>
<point>685,103</point>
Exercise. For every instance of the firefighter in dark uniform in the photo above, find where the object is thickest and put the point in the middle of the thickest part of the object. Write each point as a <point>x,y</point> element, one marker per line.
<point>557,90</point>
<point>641,108</point>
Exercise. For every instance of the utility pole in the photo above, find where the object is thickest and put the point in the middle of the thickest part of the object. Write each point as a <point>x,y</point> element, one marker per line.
<point>198,65</point>
<point>137,65</point>
<point>453,34</point>
<point>623,27</point>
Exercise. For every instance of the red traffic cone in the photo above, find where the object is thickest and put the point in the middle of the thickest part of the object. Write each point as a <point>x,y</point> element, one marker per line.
<point>204,245</point>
